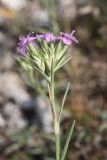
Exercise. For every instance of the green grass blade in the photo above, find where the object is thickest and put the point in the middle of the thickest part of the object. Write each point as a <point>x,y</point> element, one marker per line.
<point>67,141</point>
<point>63,102</point>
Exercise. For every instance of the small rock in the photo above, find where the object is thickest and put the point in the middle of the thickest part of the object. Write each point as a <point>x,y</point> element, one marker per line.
<point>6,61</point>
<point>2,121</point>
<point>12,87</point>
<point>34,10</point>
<point>13,116</point>
<point>44,115</point>
<point>16,4</point>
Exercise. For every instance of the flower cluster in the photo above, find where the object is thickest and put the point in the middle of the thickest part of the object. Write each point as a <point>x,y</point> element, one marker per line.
<point>65,38</point>
<point>24,42</point>
<point>43,50</point>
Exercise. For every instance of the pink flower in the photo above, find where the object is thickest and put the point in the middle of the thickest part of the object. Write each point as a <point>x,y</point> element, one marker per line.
<point>24,42</point>
<point>48,37</point>
<point>68,39</point>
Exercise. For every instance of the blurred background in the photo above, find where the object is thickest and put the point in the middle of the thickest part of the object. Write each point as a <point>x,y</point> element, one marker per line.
<point>25,117</point>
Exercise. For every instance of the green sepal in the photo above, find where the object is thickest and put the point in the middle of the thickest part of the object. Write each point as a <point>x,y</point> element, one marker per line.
<point>33,50</point>
<point>63,61</point>
<point>58,47</point>
<point>47,69</point>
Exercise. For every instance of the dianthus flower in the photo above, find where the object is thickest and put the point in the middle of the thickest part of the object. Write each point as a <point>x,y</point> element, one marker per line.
<point>68,39</point>
<point>24,42</point>
<point>48,37</point>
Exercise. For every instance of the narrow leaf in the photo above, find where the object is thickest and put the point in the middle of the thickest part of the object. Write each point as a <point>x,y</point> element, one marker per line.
<point>67,141</point>
<point>61,53</point>
<point>58,48</point>
<point>32,50</point>
<point>38,69</point>
<point>63,102</point>
<point>62,63</point>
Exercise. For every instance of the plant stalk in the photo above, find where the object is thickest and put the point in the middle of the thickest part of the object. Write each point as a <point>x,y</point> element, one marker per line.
<point>54,114</point>
<point>57,139</point>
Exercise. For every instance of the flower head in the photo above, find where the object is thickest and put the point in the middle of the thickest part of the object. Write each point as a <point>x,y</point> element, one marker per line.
<point>68,39</point>
<point>48,37</point>
<point>24,42</point>
<point>49,49</point>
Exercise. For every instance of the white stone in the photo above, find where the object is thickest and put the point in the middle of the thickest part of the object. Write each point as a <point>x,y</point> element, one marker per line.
<point>14,4</point>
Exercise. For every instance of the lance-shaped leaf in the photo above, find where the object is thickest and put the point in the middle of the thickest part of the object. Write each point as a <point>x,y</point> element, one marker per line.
<point>63,102</point>
<point>67,141</point>
<point>62,61</point>
<point>33,50</point>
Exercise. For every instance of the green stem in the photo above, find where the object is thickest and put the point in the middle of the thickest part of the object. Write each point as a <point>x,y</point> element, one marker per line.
<point>55,121</point>
<point>57,146</point>
<point>52,90</point>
